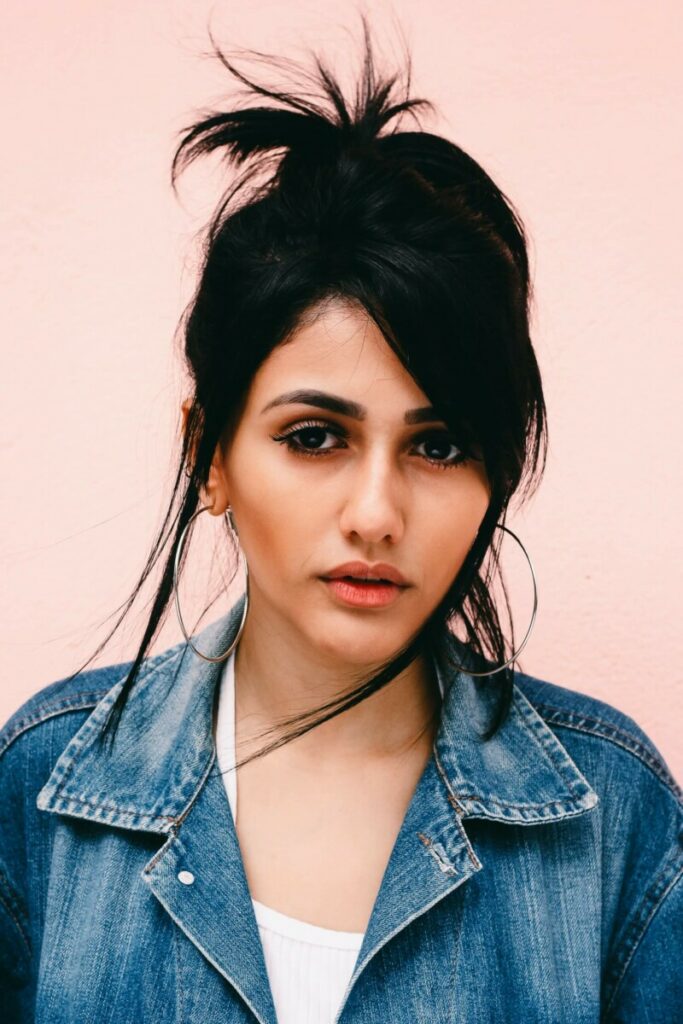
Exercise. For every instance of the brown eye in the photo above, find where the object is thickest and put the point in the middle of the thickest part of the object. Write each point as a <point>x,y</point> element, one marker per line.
<point>441,451</point>
<point>309,439</point>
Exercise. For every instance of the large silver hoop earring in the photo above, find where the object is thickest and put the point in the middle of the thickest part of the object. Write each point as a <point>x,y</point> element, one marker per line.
<point>533,614</point>
<point>176,563</point>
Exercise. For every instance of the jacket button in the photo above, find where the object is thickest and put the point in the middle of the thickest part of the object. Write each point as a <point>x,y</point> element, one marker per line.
<point>186,877</point>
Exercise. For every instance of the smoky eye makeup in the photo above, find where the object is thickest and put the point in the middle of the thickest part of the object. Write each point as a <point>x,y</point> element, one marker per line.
<point>307,438</point>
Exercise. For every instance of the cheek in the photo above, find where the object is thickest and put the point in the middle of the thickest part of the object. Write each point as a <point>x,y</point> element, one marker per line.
<point>274,520</point>
<point>451,526</point>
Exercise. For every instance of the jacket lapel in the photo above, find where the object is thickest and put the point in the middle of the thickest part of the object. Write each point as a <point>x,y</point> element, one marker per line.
<point>213,906</point>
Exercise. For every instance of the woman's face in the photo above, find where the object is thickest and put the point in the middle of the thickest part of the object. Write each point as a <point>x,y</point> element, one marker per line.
<point>313,487</point>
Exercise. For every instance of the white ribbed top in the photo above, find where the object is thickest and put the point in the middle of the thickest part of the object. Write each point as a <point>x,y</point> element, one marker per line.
<point>308,966</point>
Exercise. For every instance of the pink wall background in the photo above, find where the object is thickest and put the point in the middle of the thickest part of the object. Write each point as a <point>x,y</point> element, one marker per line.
<point>573,108</point>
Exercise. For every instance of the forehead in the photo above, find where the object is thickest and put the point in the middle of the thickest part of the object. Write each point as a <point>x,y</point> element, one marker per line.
<point>338,347</point>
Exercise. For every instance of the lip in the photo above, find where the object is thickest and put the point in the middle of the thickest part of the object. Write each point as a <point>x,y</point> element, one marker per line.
<point>363,595</point>
<point>363,570</point>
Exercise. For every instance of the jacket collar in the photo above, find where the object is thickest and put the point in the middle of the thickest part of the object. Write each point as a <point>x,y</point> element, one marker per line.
<point>165,748</point>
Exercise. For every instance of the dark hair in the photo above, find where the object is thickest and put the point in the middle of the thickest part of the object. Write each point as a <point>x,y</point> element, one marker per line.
<point>332,204</point>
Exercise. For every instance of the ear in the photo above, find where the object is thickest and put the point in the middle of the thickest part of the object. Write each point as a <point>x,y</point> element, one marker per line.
<point>185,407</point>
<point>215,493</point>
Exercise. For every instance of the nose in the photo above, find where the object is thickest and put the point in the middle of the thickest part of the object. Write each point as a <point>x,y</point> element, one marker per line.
<point>374,503</point>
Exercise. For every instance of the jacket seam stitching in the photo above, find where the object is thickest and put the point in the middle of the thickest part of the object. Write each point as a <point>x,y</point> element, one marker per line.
<point>45,711</point>
<point>18,924</point>
<point>643,925</point>
<point>614,734</point>
<point>179,970</point>
<point>51,711</point>
<point>113,807</point>
<point>505,803</point>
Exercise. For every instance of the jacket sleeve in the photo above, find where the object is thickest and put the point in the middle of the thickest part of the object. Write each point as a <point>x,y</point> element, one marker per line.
<point>15,953</point>
<point>643,844</point>
<point>16,944</point>
<point>650,987</point>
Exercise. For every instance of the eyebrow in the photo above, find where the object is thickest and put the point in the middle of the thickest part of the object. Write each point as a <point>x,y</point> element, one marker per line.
<point>343,406</point>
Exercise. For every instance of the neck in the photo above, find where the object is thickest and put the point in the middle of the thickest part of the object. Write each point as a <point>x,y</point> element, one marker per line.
<point>399,719</point>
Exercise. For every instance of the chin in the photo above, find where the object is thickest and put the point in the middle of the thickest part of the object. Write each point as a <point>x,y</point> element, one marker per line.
<point>360,646</point>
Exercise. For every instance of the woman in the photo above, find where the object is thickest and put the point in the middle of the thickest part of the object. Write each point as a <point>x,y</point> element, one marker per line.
<point>465,842</point>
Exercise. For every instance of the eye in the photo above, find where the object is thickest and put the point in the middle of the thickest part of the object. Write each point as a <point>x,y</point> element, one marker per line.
<point>309,438</point>
<point>437,450</point>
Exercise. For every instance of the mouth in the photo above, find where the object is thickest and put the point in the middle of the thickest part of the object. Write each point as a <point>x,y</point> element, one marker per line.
<point>363,592</point>
<point>362,584</point>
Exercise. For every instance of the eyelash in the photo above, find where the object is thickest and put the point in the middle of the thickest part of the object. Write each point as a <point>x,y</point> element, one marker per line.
<point>286,437</point>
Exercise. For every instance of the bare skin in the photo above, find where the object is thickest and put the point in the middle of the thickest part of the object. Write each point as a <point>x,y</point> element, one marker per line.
<point>317,819</point>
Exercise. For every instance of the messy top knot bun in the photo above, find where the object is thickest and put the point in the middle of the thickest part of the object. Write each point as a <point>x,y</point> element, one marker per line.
<point>307,130</point>
<point>331,198</point>
<point>299,136</point>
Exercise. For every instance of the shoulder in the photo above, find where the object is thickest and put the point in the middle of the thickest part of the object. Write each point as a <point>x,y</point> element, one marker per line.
<point>60,707</point>
<point>31,741</point>
<point>63,698</point>
<point>638,840</point>
<point>597,731</point>
<point>638,829</point>
<point>35,735</point>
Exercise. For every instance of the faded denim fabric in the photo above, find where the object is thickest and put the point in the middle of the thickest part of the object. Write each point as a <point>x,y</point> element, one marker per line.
<point>536,878</point>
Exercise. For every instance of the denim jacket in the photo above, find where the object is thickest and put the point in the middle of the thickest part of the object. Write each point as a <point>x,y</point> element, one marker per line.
<point>535,878</point>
